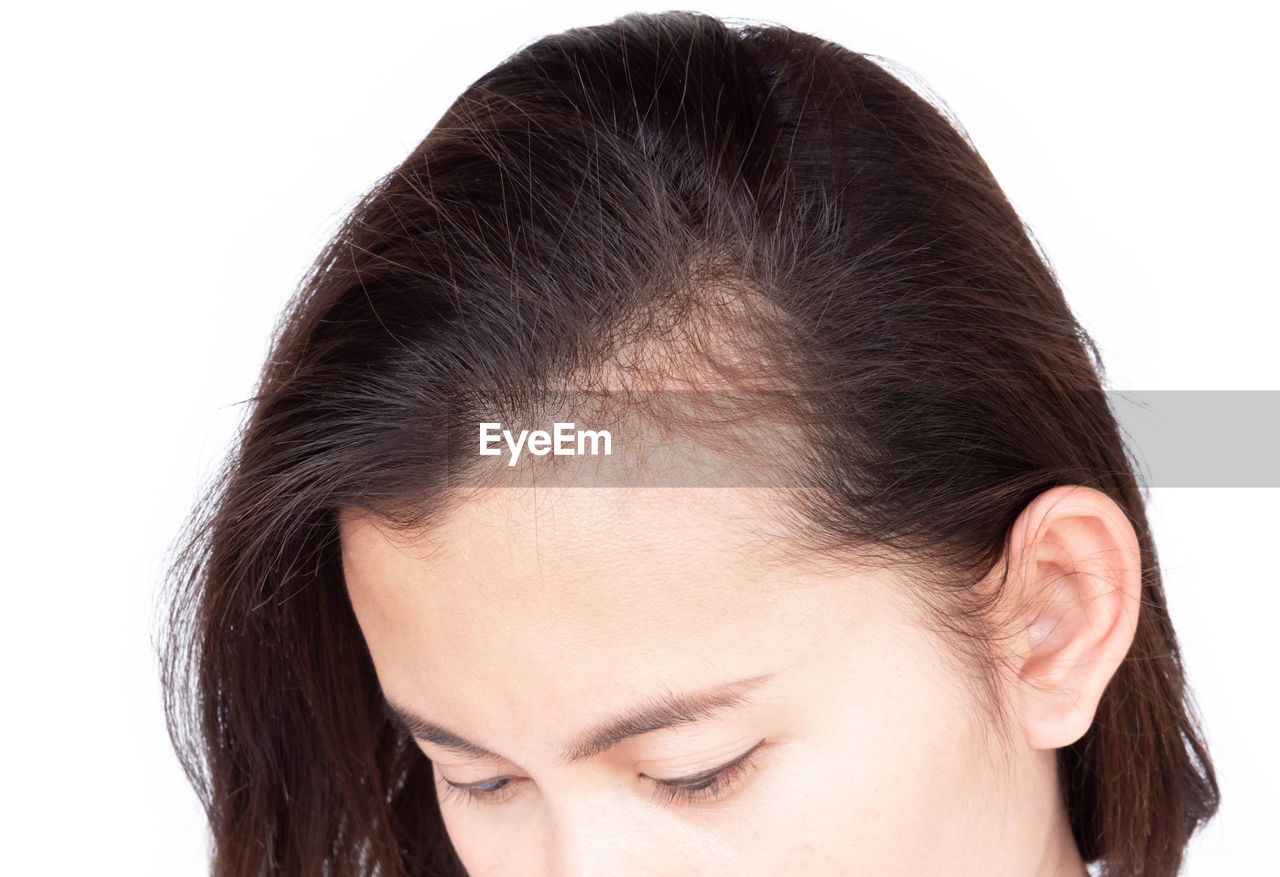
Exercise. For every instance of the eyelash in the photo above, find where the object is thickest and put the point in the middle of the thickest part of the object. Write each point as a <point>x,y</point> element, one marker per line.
<point>699,788</point>
<point>709,785</point>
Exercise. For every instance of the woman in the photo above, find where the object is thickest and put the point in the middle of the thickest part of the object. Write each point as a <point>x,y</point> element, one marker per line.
<point>895,610</point>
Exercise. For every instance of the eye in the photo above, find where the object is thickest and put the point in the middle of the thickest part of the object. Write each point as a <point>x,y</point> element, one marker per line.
<point>708,785</point>
<point>705,786</point>
<point>488,792</point>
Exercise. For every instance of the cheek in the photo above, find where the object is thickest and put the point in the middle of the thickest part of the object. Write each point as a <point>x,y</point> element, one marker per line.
<point>894,775</point>
<point>483,852</point>
<point>914,785</point>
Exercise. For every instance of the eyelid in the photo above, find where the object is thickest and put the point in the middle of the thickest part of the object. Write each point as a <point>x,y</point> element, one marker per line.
<point>703,786</point>
<point>709,772</point>
<point>469,792</point>
<point>708,784</point>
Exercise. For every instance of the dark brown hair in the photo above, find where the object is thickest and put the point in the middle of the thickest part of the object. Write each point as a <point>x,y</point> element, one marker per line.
<point>583,195</point>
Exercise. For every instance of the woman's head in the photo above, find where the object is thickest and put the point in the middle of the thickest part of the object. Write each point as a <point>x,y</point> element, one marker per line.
<point>866,478</point>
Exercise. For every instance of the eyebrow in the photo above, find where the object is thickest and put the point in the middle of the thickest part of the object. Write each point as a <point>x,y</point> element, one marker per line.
<point>657,712</point>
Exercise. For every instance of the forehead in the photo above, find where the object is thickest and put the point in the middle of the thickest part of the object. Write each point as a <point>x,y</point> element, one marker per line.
<point>523,599</point>
<point>569,560</point>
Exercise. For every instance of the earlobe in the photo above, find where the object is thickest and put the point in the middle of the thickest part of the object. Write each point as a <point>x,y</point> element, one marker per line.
<point>1079,573</point>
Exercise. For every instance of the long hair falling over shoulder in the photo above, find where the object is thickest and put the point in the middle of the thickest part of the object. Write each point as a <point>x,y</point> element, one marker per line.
<point>583,194</point>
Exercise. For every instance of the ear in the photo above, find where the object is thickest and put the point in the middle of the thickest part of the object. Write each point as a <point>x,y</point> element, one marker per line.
<point>1076,558</point>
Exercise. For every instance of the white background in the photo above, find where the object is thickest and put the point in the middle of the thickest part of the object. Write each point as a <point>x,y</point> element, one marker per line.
<point>169,171</point>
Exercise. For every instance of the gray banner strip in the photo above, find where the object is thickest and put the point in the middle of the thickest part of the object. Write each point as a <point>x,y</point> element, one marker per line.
<point>1175,438</point>
<point>1201,438</point>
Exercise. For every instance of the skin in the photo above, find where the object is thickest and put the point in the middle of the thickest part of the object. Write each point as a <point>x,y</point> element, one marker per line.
<point>526,618</point>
